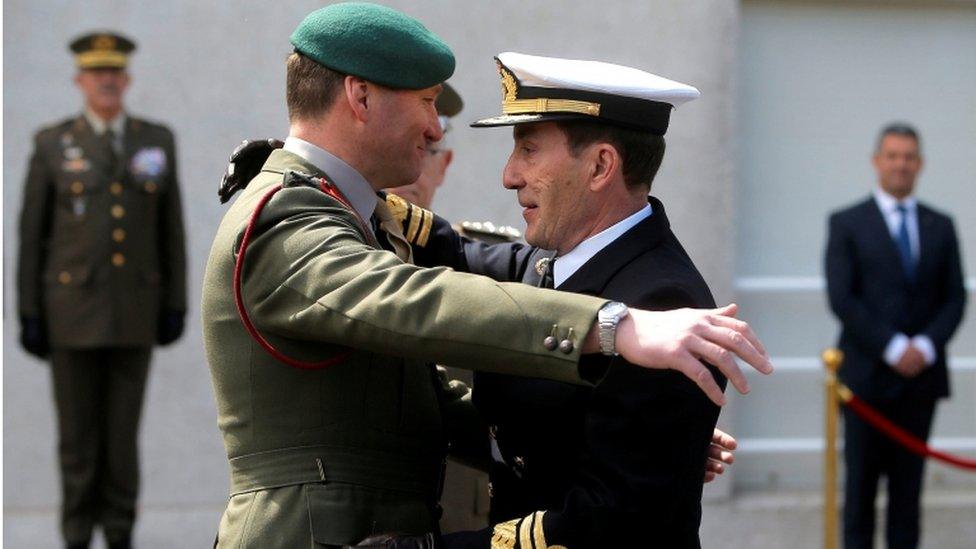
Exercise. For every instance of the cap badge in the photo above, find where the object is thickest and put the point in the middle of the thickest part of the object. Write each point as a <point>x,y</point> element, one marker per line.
<point>103,42</point>
<point>509,84</point>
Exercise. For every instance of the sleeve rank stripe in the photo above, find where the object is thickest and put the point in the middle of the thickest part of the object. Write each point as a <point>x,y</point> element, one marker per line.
<point>539,531</point>
<point>425,227</point>
<point>525,533</point>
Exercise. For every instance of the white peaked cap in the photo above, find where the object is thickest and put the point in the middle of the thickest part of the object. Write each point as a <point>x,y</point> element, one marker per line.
<point>550,88</point>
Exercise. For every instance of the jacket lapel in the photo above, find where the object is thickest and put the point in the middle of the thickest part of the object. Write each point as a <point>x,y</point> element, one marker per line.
<point>877,229</point>
<point>592,276</point>
<point>131,141</point>
<point>92,146</point>
<point>926,243</point>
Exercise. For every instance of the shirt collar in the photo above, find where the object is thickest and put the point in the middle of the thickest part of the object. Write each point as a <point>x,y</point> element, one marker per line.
<point>564,266</point>
<point>99,126</point>
<point>353,186</point>
<point>889,204</point>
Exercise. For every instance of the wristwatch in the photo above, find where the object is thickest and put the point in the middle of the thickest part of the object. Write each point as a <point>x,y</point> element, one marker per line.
<point>609,316</point>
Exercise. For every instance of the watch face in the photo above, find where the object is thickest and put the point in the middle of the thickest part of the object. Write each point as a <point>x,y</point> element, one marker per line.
<point>614,308</point>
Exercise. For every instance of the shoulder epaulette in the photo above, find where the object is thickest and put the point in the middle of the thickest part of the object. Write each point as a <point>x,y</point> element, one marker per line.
<point>489,231</point>
<point>415,221</point>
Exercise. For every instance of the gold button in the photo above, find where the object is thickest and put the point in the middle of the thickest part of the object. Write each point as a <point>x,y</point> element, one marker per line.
<point>77,187</point>
<point>118,259</point>
<point>118,212</point>
<point>64,277</point>
<point>115,188</point>
<point>151,187</point>
<point>118,235</point>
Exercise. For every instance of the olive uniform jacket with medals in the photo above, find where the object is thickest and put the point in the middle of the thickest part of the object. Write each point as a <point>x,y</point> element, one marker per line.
<point>618,465</point>
<point>334,455</point>
<point>102,246</point>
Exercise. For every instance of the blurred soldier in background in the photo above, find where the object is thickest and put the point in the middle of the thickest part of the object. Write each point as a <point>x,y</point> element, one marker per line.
<point>101,279</point>
<point>894,279</point>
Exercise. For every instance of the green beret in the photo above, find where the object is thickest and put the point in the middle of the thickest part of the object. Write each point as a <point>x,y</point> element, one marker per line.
<point>375,43</point>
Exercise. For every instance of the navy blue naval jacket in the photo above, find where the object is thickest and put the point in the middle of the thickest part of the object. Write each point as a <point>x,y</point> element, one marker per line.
<point>620,464</point>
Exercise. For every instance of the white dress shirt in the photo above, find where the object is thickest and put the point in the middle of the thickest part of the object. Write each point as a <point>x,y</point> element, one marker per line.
<point>360,194</point>
<point>889,209</point>
<point>564,266</point>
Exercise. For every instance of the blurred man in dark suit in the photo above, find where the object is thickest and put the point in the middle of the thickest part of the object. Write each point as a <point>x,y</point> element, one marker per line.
<point>895,282</point>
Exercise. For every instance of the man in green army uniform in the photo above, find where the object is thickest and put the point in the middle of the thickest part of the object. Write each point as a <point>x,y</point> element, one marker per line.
<point>318,327</point>
<point>101,280</point>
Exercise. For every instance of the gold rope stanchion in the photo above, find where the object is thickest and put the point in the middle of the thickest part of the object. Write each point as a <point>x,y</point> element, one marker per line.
<point>832,359</point>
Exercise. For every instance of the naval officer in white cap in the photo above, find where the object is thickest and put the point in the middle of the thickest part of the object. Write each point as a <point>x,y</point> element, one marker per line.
<point>621,464</point>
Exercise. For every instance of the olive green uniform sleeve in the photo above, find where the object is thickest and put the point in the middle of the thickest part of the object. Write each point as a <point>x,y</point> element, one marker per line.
<point>35,219</point>
<point>310,275</point>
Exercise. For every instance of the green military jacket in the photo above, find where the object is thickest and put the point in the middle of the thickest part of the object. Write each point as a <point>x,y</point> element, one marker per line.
<point>101,237</point>
<point>331,456</point>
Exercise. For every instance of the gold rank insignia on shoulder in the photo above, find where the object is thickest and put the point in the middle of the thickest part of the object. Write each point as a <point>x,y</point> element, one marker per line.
<point>489,232</point>
<point>415,221</point>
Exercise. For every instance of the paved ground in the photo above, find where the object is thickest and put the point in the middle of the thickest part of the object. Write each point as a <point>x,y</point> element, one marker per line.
<point>754,521</point>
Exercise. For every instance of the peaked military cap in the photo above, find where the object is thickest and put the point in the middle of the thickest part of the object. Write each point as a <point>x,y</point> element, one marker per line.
<point>376,43</point>
<point>449,102</point>
<point>102,50</point>
<point>537,89</point>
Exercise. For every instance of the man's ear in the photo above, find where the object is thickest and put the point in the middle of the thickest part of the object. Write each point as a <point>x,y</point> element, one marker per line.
<point>605,163</point>
<point>358,96</point>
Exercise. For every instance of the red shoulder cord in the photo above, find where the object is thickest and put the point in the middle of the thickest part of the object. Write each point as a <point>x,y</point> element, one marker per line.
<point>329,189</point>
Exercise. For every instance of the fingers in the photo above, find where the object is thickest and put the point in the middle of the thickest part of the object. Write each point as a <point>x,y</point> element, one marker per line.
<point>743,328</point>
<point>719,454</point>
<point>723,439</point>
<point>721,358</point>
<point>709,476</point>
<point>712,466</point>
<point>738,343</point>
<point>729,310</point>
<point>697,372</point>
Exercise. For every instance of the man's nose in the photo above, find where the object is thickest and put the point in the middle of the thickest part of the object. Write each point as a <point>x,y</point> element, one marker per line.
<point>434,133</point>
<point>511,179</point>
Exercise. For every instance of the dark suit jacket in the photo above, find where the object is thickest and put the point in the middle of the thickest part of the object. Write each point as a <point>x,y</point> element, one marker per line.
<point>618,465</point>
<point>874,299</point>
<point>101,242</point>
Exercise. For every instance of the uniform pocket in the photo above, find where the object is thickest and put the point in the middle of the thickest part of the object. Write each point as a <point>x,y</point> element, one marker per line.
<point>345,514</point>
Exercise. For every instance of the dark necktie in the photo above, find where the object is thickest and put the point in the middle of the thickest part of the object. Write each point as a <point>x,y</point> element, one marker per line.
<point>905,244</point>
<point>108,138</point>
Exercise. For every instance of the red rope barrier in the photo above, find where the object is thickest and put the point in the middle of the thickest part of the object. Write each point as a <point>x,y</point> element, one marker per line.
<point>909,441</point>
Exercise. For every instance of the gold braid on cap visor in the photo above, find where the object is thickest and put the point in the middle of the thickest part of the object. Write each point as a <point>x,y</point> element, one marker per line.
<point>544,104</point>
<point>101,58</point>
